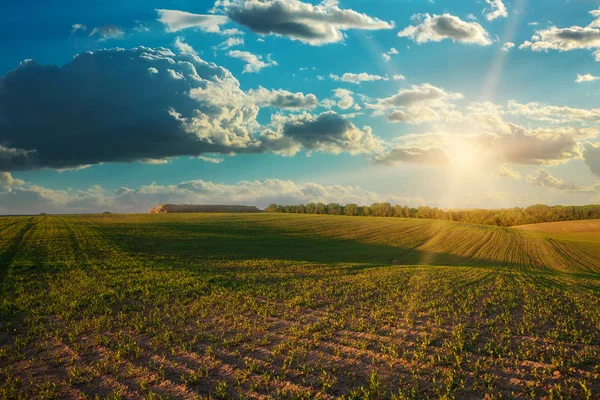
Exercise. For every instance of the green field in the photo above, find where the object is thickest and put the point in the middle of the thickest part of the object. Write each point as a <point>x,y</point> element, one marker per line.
<point>295,306</point>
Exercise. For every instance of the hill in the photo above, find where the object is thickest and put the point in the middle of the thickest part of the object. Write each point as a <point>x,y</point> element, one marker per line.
<point>191,208</point>
<point>564,226</point>
<point>319,238</point>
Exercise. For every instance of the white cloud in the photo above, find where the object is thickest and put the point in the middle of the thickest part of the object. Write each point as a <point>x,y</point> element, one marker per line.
<point>358,78</point>
<point>552,114</point>
<point>107,32</point>
<point>387,56</point>
<point>175,21</point>
<point>155,161</point>
<point>77,28</point>
<point>439,27</point>
<point>567,39</point>
<point>507,46</point>
<point>281,99</point>
<point>418,104</point>
<point>232,42</point>
<point>416,155</point>
<point>345,99</point>
<point>312,24</point>
<point>496,9</point>
<point>7,181</point>
<point>591,155</point>
<point>518,145</point>
<point>544,179</point>
<point>211,160</point>
<point>253,62</point>
<point>183,47</point>
<point>507,172</point>
<point>259,192</point>
<point>586,78</point>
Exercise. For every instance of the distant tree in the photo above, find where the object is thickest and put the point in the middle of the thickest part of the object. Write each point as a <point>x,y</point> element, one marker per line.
<point>334,209</point>
<point>351,209</point>
<point>320,208</point>
<point>398,211</point>
<point>503,217</point>
<point>386,210</point>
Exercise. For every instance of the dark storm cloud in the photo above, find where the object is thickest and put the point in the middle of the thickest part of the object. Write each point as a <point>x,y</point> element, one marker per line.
<point>328,132</point>
<point>118,105</point>
<point>151,104</point>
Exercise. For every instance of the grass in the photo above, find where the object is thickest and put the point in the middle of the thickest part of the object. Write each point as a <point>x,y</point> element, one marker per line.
<point>295,306</point>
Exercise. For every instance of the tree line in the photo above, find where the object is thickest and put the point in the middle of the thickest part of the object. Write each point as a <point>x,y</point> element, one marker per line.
<point>504,217</point>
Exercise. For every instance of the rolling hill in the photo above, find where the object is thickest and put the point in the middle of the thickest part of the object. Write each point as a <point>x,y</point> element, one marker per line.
<point>322,238</point>
<point>592,225</point>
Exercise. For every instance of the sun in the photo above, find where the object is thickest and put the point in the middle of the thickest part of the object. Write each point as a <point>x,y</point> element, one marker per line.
<point>466,159</point>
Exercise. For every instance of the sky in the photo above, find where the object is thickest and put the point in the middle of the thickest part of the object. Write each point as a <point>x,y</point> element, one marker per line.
<point>122,105</point>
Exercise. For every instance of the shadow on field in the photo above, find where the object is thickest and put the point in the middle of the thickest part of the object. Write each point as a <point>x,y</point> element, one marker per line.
<point>236,242</point>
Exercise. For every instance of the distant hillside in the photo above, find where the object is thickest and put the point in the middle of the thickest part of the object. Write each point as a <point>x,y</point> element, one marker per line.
<point>191,208</point>
<point>358,240</point>
<point>565,226</point>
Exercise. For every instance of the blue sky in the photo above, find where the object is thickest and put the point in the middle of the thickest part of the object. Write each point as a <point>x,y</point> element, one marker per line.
<point>447,103</point>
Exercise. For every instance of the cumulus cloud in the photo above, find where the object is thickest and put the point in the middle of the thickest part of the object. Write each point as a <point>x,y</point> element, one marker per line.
<point>183,47</point>
<point>544,179</point>
<point>129,105</point>
<point>518,145</point>
<point>345,99</point>
<point>416,94</point>
<point>416,155</point>
<point>175,21</point>
<point>496,9</point>
<point>553,114</point>
<point>358,78</point>
<point>439,27</point>
<point>211,160</point>
<point>586,78</point>
<point>387,56</point>
<point>153,103</point>
<point>231,42</point>
<point>507,46</point>
<point>7,182</point>
<point>253,62</point>
<point>20,197</point>
<point>506,172</point>
<point>282,99</point>
<point>107,32</point>
<point>297,20</point>
<point>591,155</point>
<point>328,132</point>
<point>567,39</point>
<point>259,192</point>
<point>418,104</point>
<point>78,28</point>
<point>29,198</point>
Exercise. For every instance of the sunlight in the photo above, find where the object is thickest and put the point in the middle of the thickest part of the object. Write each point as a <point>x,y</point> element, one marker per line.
<point>466,159</point>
